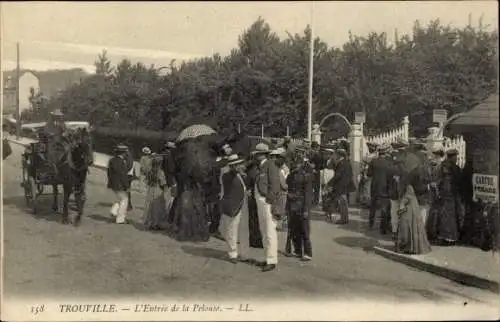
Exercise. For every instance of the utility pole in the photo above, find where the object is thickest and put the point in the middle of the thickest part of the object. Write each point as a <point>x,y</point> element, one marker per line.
<point>311,66</point>
<point>18,112</point>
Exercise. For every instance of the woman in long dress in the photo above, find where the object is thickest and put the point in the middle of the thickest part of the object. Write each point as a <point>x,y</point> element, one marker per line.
<point>194,164</point>
<point>155,210</point>
<point>411,234</point>
<point>452,212</point>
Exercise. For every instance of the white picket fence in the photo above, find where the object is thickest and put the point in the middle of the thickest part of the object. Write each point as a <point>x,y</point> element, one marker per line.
<point>458,143</point>
<point>401,132</point>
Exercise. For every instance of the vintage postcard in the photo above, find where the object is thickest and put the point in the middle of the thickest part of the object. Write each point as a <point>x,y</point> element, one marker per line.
<point>249,161</point>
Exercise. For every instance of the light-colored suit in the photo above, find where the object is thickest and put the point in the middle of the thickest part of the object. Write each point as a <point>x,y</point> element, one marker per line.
<point>267,188</point>
<point>235,215</point>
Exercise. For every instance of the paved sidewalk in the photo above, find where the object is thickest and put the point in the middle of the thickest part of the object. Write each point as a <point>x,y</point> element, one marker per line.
<point>466,265</point>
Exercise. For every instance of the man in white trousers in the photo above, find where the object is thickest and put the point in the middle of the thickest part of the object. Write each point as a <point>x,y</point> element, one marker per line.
<point>118,182</point>
<point>267,187</point>
<point>234,209</point>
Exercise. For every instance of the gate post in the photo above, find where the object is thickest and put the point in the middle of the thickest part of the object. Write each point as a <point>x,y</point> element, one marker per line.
<point>316,134</point>
<point>434,140</point>
<point>355,142</point>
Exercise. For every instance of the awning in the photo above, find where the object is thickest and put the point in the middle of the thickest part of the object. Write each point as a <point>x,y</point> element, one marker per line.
<point>484,114</point>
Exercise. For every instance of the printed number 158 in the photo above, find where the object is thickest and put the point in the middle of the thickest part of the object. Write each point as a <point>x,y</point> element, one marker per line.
<point>37,309</point>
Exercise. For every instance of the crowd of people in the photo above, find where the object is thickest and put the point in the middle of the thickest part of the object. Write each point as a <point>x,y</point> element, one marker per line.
<point>415,194</point>
<point>275,186</point>
<point>419,196</point>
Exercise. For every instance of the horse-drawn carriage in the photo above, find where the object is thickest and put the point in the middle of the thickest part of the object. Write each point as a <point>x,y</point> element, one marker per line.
<point>46,163</point>
<point>36,173</point>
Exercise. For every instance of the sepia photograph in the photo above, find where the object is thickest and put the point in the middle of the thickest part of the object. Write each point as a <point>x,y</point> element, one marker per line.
<point>249,161</point>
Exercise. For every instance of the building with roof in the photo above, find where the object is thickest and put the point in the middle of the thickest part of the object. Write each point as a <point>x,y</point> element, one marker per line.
<point>49,83</point>
<point>27,81</point>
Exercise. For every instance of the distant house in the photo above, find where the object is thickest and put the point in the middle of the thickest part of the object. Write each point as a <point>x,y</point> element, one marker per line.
<point>49,83</point>
<point>27,81</point>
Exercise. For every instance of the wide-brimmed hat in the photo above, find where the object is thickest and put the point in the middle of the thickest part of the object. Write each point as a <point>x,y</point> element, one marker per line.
<point>57,112</point>
<point>383,148</point>
<point>261,148</point>
<point>121,148</point>
<point>278,152</point>
<point>146,150</point>
<point>451,152</point>
<point>233,160</point>
<point>170,145</point>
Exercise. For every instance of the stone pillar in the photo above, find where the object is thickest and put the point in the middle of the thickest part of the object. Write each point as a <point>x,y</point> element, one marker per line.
<point>406,128</point>
<point>355,142</point>
<point>316,134</point>
<point>434,140</point>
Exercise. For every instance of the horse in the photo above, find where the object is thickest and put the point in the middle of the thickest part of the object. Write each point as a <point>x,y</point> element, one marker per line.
<point>71,165</point>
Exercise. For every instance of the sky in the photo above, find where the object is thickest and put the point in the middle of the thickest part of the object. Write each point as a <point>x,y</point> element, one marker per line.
<point>61,35</point>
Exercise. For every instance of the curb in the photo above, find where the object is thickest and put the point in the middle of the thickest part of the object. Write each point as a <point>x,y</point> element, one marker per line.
<point>446,272</point>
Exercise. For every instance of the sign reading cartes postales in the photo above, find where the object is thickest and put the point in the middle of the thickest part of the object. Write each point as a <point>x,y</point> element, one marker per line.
<point>485,187</point>
<point>439,116</point>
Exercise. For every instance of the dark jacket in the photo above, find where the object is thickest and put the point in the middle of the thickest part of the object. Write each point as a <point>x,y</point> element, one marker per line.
<point>268,181</point>
<point>130,163</point>
<point>169,168</point>
<point>379,171</point>
<point>117,174</point>
<point>300,191</point>
<point>342,182</point>
<point>234,194</point>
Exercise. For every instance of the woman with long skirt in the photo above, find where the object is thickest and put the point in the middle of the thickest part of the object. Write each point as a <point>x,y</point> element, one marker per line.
<point>155,208</point>
<point>411,234</point>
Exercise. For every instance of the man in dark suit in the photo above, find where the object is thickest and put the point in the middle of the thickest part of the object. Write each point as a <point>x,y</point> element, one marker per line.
<point>379,170</point>
<point>118,182</point>
<point>342,184</point>
<point>316,160</point>
<point>234,209</point>
<point>267,187</point>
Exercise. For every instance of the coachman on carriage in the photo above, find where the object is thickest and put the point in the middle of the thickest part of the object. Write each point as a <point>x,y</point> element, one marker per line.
<point>61,156</point>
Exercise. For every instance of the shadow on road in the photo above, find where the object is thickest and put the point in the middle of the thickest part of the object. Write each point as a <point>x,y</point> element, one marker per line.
<point>364,243</point>
<point>43,210</point>
<point>205,252</point>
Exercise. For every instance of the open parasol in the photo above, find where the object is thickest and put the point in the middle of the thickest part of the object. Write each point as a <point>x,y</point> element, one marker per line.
<point>194,131</point>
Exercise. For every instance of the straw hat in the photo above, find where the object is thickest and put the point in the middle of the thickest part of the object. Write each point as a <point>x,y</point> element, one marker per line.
<point>57,112</point>
<point>146,150</point>
<point>170,145</point>
<point>121,148</point>
<point>233,160</point>
<point>278,152</point>
<point>261,148</point>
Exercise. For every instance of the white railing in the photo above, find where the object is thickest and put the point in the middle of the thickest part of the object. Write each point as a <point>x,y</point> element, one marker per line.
<point>457,143</point>
<point>401,132</point>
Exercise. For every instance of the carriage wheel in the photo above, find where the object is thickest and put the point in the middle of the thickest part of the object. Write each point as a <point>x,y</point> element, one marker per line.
<point>28,193</point>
